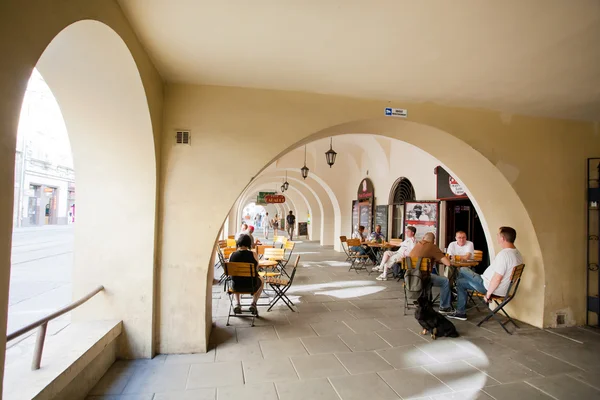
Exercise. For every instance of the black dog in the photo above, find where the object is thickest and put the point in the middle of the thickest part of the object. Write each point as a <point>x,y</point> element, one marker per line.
<point>431,320</point>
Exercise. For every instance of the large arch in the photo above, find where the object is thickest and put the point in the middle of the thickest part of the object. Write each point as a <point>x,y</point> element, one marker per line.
<point>496,201</point>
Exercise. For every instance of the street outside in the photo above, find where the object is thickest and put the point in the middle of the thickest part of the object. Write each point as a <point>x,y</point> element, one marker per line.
<point>40,278</point>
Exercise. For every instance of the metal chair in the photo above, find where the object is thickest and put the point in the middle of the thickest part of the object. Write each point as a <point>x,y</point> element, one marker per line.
<point>358,261</point>
<point>245,270</point>
<point>281,286</point>
<point>502,301</point>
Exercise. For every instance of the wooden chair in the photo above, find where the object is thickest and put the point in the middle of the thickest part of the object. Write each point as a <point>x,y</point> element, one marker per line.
<point>288,249</point>
<point>231,237</point>
<point>425,265</point>
<point>502,301</point>
<point>278,255</point>
<point>281,240</point>
<point>357,260</point>
<point>281,286</point>
<point>231,243</point>
<point>260,250</point>
<point>478,255</point>
<point>345,247</point>
<point>237,269</point>
<point>222,244</point>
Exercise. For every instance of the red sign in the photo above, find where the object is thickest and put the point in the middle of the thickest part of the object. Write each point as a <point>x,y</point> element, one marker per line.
<point>275,198</point>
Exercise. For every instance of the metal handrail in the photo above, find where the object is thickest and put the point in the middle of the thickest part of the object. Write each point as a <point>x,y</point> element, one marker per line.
<point>43,325</point>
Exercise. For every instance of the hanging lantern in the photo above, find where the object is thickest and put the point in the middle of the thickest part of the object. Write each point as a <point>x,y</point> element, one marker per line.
<point>304,169</point>
<point>330,154</point>
<point>282,189</point>
<point>286,185</point>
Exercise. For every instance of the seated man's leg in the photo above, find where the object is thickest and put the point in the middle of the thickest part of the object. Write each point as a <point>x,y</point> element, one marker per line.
<point>444,285</point>
<point>384,260</point>
<point>467,280</point>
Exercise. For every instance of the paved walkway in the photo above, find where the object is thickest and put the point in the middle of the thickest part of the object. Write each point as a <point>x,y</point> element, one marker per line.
<point>350,340</point>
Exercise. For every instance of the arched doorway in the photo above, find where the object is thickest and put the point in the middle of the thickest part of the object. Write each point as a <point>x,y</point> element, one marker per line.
<point>401,192</point>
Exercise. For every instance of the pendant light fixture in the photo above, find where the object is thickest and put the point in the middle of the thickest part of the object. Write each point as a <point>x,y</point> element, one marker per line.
<point>304,169</point>
<point>330,154</point>
<point>282,187</point>
<point>286,185</point>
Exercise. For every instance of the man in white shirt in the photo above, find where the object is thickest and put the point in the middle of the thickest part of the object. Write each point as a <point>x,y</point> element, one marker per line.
<point>495,279</point>
<point>391,257</point>
<point>462,247</point>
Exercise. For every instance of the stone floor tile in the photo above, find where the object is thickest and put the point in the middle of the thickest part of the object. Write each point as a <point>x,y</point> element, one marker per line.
<point>406,357</point>
<point>294,331</point>
<point>282,348</point>
<point>311,307</point>
<point>368,313</point>
<point>341,306</point>
<point>366,325</point>
<point>363,362</point>
<point>401,337</point>
<point>113,381</point>
<point>517,390</point>
<point>324,344</point>
<point>543,364</point>
<point>503,369</point>
<point>318,366</point>
<point>327,328</point>
<point>122,397</point>
<point>255,333</point>
<point>460,375</point>
<point>365,386</point>
<point>313,389</point>
<point>215,375</point>
<point>364,341</point>
<point>271,370</point>
<point>414,383</point>
<point>196,358</point>
<point>238,352</point>
<point>589,377</point>
<point>158,378</point>
<point>464,395</point>
<point>195,394</point>
<point>398,322</point>
<point>564,387</point>
<point>249,391</point>
<point>445,350</point>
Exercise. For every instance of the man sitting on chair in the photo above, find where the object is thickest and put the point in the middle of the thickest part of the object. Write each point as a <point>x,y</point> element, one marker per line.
<point>496,278</point>
<point>427,249</point>
<point>462,247</point>
<point>392,257</point>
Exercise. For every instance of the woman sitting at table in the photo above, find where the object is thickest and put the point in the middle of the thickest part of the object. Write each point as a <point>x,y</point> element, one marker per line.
<point>359,233</point>
<point>246,284</point>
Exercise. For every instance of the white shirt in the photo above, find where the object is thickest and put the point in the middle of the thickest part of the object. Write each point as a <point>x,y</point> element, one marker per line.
<point>503,264</point>
<point>455,250</point>
<point>406,247</point>
<point>358,235</point>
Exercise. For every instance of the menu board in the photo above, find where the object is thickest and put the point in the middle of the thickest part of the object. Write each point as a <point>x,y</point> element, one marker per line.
<point>381,218</point>
<point>354,215</point>
<point>366,216</point>
<point>302,229</point>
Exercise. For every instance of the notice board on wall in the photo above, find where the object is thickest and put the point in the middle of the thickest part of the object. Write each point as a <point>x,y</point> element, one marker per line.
<point>366,217</point>
<point>354,215</point>
<point>381,218</point>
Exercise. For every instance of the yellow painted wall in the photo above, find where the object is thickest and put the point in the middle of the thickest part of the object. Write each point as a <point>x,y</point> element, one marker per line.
<point>26,29</point>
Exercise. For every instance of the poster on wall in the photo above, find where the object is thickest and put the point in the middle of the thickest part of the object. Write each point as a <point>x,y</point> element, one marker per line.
<point>381,218</point>
<point>354,215</point>
<point>366,212</point>
<point>423,215</point>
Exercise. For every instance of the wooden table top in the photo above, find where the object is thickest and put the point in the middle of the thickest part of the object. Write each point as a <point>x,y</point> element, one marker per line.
<point>267,263</point>
<point>467,263</point>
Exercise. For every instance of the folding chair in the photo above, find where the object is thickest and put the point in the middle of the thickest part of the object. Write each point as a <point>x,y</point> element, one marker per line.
<point>477,256</point>
<point>237,269</point>
<point>260,250</point>
<point>231,243</point>
<point>289,246</point>
<point>281,286</point>
<point>345,247</point>
<point>273,254</point>
<point>358,261</point>
<point>224,255</point>
<point>424,265</point>
<point>502,301</point>
<point>281,240</point>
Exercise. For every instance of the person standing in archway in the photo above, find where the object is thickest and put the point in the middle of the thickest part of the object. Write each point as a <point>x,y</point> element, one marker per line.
<point>276,225</point>
<point>266,224</point>
<point>291,221</point>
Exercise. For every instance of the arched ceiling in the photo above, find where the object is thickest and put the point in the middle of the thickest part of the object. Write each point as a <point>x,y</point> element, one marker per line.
<point>533,57</point>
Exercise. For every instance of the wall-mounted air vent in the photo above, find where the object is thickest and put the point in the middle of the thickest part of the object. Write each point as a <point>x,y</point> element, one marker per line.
<point>183,137</point>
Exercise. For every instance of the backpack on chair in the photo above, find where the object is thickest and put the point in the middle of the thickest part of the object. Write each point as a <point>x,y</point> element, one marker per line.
<point>413,279</point>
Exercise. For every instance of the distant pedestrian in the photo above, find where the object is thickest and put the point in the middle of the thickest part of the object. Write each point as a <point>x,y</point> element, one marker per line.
<point>275,224</point>
<point>291,222</point>
<point>266,224</point>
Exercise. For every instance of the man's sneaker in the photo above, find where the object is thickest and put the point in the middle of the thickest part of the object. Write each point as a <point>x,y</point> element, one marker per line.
<point>381,277</point>
<point>456,315</point>
<point>446,311</point>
